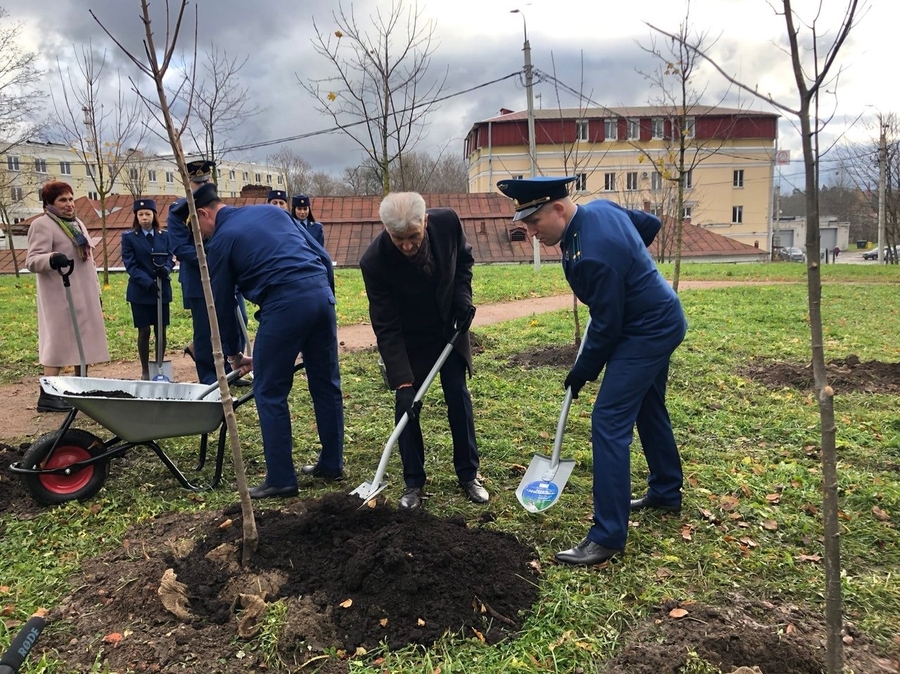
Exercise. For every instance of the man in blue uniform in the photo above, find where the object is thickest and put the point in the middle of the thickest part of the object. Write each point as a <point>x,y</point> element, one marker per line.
<point>277,198</point>
<point>181,242</point>
<point>636,324</point>
<point>281,269</point>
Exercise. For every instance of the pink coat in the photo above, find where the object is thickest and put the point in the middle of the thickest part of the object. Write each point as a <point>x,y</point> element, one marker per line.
<point>56,336</point>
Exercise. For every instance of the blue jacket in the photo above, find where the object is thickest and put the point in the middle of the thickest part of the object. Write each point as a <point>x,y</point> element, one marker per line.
<point>181,242</point>
<point>634,311</point>
<point>315,229</point>
<point>136,255</point>
<point>259,248</point>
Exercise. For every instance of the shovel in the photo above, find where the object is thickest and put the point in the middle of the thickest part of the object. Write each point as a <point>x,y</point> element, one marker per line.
<point>369,490</point>
<point>66,271</point>
<point>161,370</point>
<point>543,482</point>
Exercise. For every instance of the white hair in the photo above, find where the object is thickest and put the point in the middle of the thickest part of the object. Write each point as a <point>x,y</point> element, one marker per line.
<point>401,210</point>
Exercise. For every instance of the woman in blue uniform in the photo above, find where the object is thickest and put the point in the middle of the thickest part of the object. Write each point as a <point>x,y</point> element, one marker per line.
<point>301,209</point>
<point>143,244</point>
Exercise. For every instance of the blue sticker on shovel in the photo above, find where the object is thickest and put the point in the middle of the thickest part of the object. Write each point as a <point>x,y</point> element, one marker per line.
<point>539,495</point>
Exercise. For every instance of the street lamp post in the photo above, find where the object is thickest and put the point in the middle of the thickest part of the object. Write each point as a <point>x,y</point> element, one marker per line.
<point>529,93</point>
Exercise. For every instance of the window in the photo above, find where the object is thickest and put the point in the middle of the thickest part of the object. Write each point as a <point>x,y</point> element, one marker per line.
<point>90,170</point>
<point>656,181</point>
<point>280,180</point>
<point>657,127</point>
<point>689,127</point>
<point>16,221</point>
<point>151,175</point>
<point>16,193</point>
<point>634,129</point>
<point>94,196</point>
<point>268,179</point>
<point>688,179</point>
<point>12,163</point>
<point>610,128</point>
<point>631,181</point>
<point>40,165</point>
<point>581,130</point>
<point>737,214</point>
<point>581,182</point>
<point>246,176</point>
<point>133,174</point>
<point>65,168</point>
<point>738,180</point>
<point>518,177</point>
<point>656,210</point>
<point>231,174</point>
<point>686,213</point>
<point>609,182</point>
<point>170,177</point>
<point>258,177</point>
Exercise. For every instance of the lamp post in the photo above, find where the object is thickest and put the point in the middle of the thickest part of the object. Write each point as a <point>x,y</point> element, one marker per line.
<point>529,93</point>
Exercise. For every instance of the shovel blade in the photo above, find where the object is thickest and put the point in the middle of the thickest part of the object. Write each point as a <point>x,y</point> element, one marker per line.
<point>162,372</point>
<point>367,491</point>
<point>541,486</point>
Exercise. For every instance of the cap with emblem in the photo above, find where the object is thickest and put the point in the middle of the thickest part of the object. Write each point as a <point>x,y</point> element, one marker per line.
<point>299,200</point>
<point>277,194</point>
<point>532,193</point>
<point>144,204</point>
<point>201,170</point>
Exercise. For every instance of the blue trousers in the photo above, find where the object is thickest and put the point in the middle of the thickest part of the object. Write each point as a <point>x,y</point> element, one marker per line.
<point>295,318</point>
<point>203,355</point>
<point>459,414</point>
<point>633,392</point>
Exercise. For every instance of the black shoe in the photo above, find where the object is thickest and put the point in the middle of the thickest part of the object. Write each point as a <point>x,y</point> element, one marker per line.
<point>412,498</point>
<point>646,502</point>
<point>51,403</point>
<point>587,553</point>
<point>475,491</point>
<point>313,470</point>
<point>265,491</point>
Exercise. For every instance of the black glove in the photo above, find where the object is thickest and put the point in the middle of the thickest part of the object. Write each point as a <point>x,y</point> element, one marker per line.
<point>58,260</point>
<point>161,272</point>
<point>574,382</point>
<point>463,316</point>
<point>405,398</point>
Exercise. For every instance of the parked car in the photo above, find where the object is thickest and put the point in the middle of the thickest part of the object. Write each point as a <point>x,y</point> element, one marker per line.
<point>873,254</point>
<point>791,254</point>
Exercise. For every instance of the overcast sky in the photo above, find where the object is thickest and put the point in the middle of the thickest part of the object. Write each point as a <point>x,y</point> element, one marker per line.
<point>479,41</point>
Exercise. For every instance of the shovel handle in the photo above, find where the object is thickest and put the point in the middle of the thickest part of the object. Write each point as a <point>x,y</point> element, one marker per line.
<point>563,415</point>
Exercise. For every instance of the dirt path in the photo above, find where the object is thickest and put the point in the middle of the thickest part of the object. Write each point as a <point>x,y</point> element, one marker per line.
<point>19,418</point>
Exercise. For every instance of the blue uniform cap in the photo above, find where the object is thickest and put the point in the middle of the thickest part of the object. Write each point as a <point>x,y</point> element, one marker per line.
<point>277,194</point>
<point>201,170</point>
<point>532,193</point>
<point>205,195</point>
<point>144,204</point>
<point>299,200</point>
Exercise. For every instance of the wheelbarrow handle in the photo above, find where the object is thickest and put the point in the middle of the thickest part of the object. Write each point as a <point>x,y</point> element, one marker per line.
<point>234,374</point>
<point>21,645</point>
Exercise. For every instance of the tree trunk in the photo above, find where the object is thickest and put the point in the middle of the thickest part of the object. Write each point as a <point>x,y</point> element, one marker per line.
<point>103,230</point>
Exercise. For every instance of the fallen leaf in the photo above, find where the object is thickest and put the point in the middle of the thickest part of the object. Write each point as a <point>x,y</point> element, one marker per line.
<point>677,613</point>
<point>112,638</point>
<point>774,499</point>
<point>347,603</point>
<point>536,565</point>
<point>4,589</point>
<point>383,622</point>
<point>420,622</point>
<point>809,558</point>
<point>749,542</point>
<point>479,635</point>
<point>746,490</point>
<point>544,434</point>
<point>686,532</point>
<point>728,503</point>
<point>692,480</point>
<point>790,629</point>
<point>226,524</point>
<point>663,572</point>
<point>360,651</point>
<point>880,514</point>
<point>709,515</point>
<point>11,624</point>
<point>438,670</point>
<point>95,508</point>
<point>7,610</point>
<point>770,525</point>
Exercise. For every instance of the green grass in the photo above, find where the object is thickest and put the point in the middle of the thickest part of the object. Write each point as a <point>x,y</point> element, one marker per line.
<point>740,444</point>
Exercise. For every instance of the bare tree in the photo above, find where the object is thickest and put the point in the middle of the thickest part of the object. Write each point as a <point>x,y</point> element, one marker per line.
<point>156,67</point>
<point>679,100</point>
<point>17,182</point>
<point>421,172</point>
<point>813,57</point>
<point>20,106</point>
<point>220,103</point>
<point>135,173</point>
<point>294,170</point>
<point>102,131</point>
<point>377,92</point>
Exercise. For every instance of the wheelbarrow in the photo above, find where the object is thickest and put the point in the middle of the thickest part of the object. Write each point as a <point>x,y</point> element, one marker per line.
<point>72,463</point>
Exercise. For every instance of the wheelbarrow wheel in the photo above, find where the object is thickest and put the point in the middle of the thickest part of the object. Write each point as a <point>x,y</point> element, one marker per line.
<point>54,488</point>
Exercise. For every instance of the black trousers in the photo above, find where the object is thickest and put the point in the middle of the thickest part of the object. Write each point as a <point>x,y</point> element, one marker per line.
<point>459,414</point>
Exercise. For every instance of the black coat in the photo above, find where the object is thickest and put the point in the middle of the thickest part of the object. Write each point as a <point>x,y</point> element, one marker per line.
<point>393,286</point>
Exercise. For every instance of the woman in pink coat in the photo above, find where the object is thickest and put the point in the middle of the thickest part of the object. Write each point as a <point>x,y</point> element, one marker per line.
<point>55,239</point>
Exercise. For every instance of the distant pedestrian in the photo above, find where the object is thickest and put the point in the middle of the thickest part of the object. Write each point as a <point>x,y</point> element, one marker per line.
<point>837,251</point>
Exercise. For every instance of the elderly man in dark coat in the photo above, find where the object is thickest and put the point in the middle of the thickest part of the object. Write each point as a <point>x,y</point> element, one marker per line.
<point>418,277</point>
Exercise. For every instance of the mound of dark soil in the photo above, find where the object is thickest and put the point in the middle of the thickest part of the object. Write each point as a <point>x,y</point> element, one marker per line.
<point>351,578</point>
<point>845,375</point>
<point>551,356</point>
<point>14,498</point>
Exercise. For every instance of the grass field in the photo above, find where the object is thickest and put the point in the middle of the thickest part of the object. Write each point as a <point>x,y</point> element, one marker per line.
<point>740,443</point>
